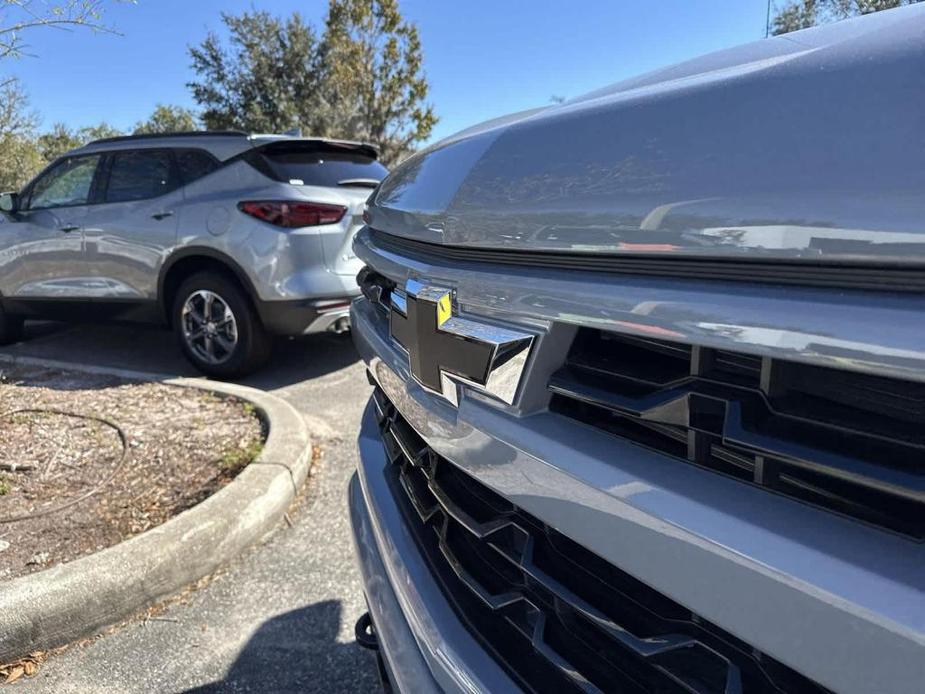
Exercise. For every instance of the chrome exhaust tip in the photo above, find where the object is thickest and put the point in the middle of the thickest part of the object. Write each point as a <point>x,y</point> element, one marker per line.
<point>340,326</point>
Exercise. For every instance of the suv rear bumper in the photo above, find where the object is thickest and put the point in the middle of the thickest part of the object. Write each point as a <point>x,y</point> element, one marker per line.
<point>305,316</point>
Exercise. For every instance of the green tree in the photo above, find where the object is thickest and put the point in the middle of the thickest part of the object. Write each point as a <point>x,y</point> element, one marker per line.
<point>22,153</point>
<point>362,79</point>
<point>373,85</point>
<point>89,133</point>
<point>168,119</point>
<point>61,138</point>
<point>19,156</point>
<point>57,141</point>
<point>19,161</point>
<point>802,14</point>
<point>265,81</point>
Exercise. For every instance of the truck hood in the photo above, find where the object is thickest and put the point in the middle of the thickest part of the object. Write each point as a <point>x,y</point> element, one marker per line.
<point>809,146</point>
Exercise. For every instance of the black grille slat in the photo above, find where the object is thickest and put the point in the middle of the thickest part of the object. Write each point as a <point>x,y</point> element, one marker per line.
<point>640,360</point>
<point>557,617</point>
<point>675,407</point>
<point>742,369</point>
<point>851,443</point>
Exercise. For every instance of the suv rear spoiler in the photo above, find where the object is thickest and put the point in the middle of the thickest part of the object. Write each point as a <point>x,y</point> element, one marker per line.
<point>271,142</point>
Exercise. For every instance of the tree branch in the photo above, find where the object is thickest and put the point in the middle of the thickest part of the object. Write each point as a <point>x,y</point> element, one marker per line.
<point>72,14</point>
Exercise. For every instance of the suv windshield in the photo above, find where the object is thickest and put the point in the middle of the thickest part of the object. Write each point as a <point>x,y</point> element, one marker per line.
<point>322,164</point>
<point>67,183</point>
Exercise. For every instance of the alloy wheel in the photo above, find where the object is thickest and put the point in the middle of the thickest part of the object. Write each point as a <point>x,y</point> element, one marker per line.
<point>209,326</point>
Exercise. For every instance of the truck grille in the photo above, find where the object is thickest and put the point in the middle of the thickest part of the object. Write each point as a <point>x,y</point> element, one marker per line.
<point>557,617</point>
<point>847,442</point>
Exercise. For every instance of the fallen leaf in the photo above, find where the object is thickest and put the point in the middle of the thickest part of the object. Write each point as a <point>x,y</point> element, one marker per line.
<point>15,674</point>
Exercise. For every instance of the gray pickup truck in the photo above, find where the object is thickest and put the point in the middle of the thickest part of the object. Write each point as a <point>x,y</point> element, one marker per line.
<point>649,383</point>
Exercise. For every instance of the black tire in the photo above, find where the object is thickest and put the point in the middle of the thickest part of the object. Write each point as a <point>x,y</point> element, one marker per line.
<point>251,347</point>
<point>10,328</point>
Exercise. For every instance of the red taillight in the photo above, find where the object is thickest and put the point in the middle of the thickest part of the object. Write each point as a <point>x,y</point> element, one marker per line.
<point>293,214</point>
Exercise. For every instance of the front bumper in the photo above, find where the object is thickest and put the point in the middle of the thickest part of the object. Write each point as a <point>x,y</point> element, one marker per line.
<point>423,643</point>
<point>834,600</point>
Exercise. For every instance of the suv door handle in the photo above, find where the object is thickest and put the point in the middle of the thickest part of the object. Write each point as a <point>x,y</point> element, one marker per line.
<point>162,215</point>
<point>68,228</point>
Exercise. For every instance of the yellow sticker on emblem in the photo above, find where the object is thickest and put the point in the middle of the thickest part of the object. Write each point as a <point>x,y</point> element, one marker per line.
<point>443,309</point>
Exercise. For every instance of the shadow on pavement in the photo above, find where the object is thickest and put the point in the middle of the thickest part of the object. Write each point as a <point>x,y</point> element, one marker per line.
<point>298,652</point>
<point>155,350</point>
<point>304,358</point>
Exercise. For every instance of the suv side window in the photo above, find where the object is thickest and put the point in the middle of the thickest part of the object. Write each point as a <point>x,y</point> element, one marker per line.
<point>194,164</point>
<point>139,175</point>
<point>68,183</point>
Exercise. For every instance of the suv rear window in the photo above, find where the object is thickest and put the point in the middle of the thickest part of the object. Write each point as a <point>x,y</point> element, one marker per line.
<point>320,164</point>
<point>194,164</point>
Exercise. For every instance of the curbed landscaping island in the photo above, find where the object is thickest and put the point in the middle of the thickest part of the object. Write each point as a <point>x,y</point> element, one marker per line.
<point>165,425</point>
<point>88,460</point>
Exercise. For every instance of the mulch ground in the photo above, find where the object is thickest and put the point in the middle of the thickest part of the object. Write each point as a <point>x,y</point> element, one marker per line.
<point>87,461</point>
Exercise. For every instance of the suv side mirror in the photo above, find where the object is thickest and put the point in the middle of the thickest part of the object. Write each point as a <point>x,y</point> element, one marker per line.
<point>9,202</point>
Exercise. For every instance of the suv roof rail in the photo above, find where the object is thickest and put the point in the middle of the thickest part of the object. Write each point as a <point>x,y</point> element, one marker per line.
<point>185,133</point>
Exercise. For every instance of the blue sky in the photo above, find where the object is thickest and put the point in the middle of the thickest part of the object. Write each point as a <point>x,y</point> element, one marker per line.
<point>483,58</point>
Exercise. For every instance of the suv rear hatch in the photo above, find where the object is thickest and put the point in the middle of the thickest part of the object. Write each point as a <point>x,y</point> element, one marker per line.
<point>347,171</point>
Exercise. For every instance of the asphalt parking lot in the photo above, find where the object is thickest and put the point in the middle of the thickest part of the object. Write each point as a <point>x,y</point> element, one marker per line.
<point>280,617</point>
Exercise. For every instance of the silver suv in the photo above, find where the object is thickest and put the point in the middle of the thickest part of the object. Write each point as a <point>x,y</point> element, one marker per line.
<point>225,236</point>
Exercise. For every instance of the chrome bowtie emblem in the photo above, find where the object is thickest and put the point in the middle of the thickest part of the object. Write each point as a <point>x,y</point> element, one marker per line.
<point>445,350</point>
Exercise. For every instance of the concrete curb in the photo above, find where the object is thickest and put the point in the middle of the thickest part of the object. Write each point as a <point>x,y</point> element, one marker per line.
<point>82,597</point>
